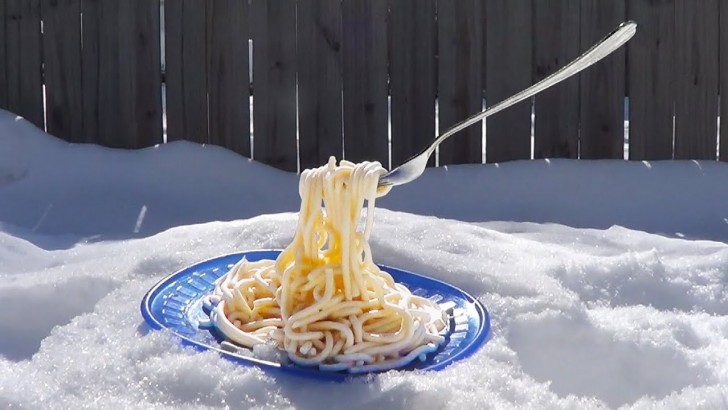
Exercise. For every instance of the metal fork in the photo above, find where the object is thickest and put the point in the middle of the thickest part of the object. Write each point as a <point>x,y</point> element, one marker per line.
<point>415,166</point>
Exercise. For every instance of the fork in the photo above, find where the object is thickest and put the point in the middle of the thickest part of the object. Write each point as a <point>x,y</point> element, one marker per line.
<point>415,166</point>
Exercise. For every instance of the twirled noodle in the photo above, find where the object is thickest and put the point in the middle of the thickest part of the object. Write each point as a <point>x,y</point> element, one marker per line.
<point>324,300</point>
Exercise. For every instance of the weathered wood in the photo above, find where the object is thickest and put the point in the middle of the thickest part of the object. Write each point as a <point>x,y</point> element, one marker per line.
<point>556,43</point>
<point>319,81</point>
<point>649,76</point>
<point>603,84</point>
<point>696,79</point>
<point>365,80</point>
<point>146,96</point>
<point>509,67</point>
<point>121,73</point>
<point>23,53</point>
<point>112,123</point>
<point>62,63</point>
<point>723,154</point>
<point>413,34</point>
<point>90,65</point>
<point>3,59</point>
<point>274,79</point>
<point>483,55</point>
<point>228,81</point>
<point>186,70</point>
<point>109,91</point>
<point>460,44</point>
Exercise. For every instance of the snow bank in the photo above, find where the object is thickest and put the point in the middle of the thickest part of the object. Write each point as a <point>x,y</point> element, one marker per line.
<point>591,307</point>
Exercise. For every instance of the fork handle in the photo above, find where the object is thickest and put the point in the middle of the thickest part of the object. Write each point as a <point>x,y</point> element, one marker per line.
<point>603,48</point>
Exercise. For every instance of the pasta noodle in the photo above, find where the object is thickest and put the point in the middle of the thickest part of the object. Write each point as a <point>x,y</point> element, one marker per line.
<point>323,300</point>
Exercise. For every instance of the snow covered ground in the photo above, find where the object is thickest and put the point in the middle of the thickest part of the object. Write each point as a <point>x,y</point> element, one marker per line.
<point>606,280</point>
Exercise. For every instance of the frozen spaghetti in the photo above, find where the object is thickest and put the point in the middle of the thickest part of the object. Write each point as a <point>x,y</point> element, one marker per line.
<point>323,300</point>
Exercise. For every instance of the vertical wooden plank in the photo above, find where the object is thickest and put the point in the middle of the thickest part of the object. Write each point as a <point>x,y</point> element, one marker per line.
<point>90,66</point>
<point>228,83</point>
<point>3,59</point>
<point>319,81</point>
<point>723,154</point>
<point>696,78</point>
<point>365,80</point>
<point>602,85</point>
<point>509,67</point>
<point>146,95</point>
<point>460,45</point>
<point>121,73</point>
<point>555,44</point>
<point>484,55</point>
<point>186,70</point>
<point>23,53</point>
<point>412,72</point>
<point>274,77</point>
<point>62,62</point>
<point>120,124</point>
<point>649,74</point>
<point>101,74</point>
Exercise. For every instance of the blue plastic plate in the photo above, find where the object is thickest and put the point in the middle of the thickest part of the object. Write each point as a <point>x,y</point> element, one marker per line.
<point>176,303</point>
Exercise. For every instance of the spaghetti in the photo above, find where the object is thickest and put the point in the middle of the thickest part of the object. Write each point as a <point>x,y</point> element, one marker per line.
<point>323,300</point>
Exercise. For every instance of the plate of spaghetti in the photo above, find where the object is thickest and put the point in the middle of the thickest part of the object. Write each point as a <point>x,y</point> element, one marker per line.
<point>321,307</point>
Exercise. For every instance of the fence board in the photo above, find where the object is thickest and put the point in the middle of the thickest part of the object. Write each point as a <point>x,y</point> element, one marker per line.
<point>350,54</point>
<point>186,70</point>
<point>723,51</point>
<point>602,85</point>
<point>3,59</point>
<point>319,81</point>
<point>365,80</point>
<point>62,63</point>
<point>556,43</point>
<point>509,67</point>
<point>274,68</point>
<point>413,34</point>
<point>147,96</point>
<point>90,59</point>
<point>23,52</point>
<point>649,75</point>
<point>228,81</point>
<point>696,79</point>
<point>460,42</point>
<point>121,77</point>
<point>483,55</point>
<point>113,120</point>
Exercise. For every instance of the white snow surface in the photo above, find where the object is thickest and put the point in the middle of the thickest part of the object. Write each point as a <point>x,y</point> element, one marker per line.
<point>606,280</point>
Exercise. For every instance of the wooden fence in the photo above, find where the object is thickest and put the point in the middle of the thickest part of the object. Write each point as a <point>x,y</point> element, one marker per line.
<point>323,69</point>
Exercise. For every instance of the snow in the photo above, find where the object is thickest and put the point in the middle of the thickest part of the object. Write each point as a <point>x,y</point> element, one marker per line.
<point>606,280</point>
